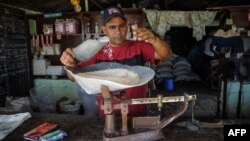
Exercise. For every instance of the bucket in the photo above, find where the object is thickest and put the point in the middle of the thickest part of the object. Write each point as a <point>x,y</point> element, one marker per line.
<point>169,84</point>
<point>69,107</point>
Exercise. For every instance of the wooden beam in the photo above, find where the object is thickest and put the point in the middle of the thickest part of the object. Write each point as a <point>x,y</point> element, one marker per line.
<point>96,3</point>
<point>228,7</point>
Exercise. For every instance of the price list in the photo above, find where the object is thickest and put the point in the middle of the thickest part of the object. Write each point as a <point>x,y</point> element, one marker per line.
<point>14,60</point>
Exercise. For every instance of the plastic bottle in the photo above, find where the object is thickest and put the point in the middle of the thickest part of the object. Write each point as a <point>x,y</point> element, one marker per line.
<point>96,28</point>
<point>88,28</point>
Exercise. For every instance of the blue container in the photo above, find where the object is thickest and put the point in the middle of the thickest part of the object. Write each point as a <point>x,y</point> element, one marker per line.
<point>169,84</point>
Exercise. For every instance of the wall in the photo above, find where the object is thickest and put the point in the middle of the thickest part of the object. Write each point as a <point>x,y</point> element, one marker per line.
<point>233,88</point>
<point>240,17</point>
<point>60,87</point>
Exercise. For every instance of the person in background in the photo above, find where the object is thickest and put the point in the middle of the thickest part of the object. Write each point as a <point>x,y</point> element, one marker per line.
<point>147,47</point>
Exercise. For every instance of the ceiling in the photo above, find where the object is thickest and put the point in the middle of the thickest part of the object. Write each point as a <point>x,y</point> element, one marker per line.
<point>46,6</point>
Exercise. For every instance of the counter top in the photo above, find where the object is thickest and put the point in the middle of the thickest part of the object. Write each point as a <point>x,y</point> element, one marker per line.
<point>82,128</point>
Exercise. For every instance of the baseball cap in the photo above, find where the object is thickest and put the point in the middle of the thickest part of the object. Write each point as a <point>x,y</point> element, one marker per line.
<point>111,12</point>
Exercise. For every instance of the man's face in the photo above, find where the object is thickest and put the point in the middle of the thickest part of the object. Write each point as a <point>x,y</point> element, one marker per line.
<point>116,29</point>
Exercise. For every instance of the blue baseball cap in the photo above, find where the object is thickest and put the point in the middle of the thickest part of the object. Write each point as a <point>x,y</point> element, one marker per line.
<point>111,12</point>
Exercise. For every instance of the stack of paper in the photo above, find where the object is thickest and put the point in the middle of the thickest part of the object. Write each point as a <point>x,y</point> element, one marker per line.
<point>45,132</point>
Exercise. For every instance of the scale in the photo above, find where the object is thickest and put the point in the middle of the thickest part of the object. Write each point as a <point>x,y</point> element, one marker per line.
<point>150,126</point>
<point>143,128</point>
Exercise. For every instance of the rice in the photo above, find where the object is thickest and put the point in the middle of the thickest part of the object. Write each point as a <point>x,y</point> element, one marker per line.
<point>118,75</point>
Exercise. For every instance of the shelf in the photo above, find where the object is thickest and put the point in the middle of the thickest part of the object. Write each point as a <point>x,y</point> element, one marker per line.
<point>78,34</point>
<point>81,20</point>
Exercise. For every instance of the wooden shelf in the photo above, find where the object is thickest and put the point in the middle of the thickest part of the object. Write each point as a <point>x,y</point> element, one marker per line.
<point>82,18</point>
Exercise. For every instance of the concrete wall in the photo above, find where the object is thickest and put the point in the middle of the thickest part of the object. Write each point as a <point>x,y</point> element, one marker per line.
<point>233,88</point>
<point>60,88</point>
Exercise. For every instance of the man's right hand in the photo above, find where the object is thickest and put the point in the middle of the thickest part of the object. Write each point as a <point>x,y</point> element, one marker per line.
<point>67,58</point>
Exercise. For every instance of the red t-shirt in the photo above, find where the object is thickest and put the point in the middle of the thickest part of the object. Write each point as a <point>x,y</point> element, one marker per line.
<point>132,53</point>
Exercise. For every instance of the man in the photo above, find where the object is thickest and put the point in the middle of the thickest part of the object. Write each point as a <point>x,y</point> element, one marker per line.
<point>147,47</point>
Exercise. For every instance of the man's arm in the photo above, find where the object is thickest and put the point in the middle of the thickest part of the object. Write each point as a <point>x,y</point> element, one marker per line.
<point>162,49</point>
